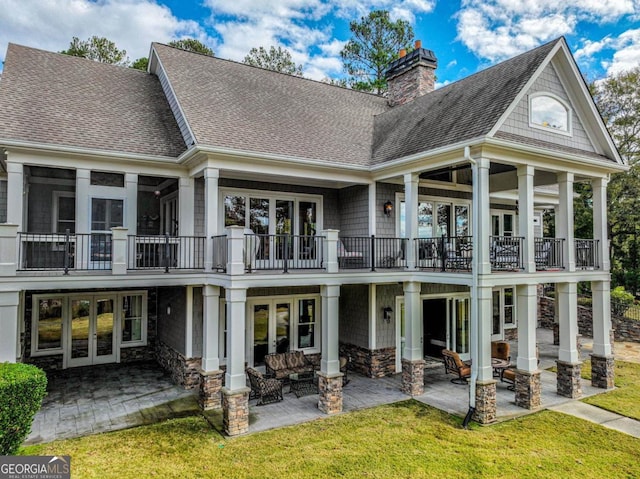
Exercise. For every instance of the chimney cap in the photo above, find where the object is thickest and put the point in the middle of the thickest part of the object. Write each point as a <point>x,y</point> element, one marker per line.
<point>402,64</point>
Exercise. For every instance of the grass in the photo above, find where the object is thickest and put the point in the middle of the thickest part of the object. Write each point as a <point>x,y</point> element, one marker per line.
<point>625,399</point>
<point>406,439</point>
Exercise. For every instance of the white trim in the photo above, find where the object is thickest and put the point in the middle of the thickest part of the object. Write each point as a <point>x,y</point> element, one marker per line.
<point>55,207</point>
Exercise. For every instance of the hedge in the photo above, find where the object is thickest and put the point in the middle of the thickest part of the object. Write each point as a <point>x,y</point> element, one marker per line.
<point>22,388</point>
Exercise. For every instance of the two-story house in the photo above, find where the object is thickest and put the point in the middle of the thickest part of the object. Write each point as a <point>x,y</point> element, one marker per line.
<point>207,213</point>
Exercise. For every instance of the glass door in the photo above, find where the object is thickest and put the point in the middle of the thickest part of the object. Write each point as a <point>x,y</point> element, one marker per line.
<point>271,322</point>
<point>91,331</point>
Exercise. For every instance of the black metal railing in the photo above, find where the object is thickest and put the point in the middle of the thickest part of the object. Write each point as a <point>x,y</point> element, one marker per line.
<point>506,253</point>
<point>165,252</point>
<point>446,253</point>
<point>283,252</point>
<point>371,252</point>
<point>549,253</point>
<point>220,254</point>
<point>389,253</point>
<point>64,251</point>
<point>587,254</point>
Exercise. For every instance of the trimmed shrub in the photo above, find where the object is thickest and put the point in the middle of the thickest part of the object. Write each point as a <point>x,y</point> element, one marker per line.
<point>621,300</point>
<point>22,388</point>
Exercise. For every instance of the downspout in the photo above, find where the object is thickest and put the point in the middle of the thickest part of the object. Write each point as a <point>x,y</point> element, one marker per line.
<point>473,329</point>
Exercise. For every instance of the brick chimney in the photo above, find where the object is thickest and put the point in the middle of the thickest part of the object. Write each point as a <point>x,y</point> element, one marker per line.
<point>412,75</point>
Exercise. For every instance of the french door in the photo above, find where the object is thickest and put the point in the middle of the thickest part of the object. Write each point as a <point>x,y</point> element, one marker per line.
<point>270,322</point>
<point>91,332</point>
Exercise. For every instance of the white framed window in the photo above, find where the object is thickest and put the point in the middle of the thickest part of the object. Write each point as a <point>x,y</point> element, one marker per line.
<point>504,310</point>
<point>47,324</point>
<point>437,217</point>
<point>133,319</point>
<point>550,113</point>
<point>503,223</point>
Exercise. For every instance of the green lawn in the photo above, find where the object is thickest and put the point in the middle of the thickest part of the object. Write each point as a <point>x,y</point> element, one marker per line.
<point>625,399</point>
<point>407,439</point>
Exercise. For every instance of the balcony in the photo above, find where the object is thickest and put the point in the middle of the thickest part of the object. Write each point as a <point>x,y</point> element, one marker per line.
<point>240,253</point>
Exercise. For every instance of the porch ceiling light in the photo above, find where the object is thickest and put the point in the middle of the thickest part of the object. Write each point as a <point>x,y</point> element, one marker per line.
<point>387,208</point>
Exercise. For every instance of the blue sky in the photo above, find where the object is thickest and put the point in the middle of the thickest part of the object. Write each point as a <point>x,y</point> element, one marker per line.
<point>466,35</point>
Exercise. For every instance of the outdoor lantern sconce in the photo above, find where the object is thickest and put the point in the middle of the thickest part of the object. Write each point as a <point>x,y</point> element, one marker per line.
<point>386,314</point>
<point>387,208</point>
<point>169,309</point>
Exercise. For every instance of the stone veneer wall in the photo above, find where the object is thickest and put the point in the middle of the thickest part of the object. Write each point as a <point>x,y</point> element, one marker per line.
<point>375,363</point>
<point>184,371</point>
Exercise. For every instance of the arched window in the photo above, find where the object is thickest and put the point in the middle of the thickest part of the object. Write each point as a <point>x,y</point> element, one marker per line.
<point>550,113</point>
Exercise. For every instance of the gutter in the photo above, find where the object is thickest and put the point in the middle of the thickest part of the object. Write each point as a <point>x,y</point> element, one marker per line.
<point>473,329</point>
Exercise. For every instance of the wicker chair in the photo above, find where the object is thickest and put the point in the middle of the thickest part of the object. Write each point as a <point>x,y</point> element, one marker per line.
<point>265,390</point>
<point>454,365</point>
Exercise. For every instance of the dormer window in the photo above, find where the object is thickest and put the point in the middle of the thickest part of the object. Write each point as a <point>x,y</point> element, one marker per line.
<point>548,112</point>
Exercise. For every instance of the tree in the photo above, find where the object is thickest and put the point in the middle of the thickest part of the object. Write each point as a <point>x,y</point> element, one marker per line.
<point>141,64</point>
<point>99,49</point>
<point>618,99</point>
<point>375,43</point>
<point>192,45</point>
<point>276,59</point>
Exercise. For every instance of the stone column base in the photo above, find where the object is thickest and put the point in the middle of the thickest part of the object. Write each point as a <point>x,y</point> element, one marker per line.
<point>569,381</point>
<point>485,402</point>
<point>210,387</point>
<point>528,389</point>
<point>235,411</point>
<point>330,392</point>
<point>412,377</point>
<point>602,372</point>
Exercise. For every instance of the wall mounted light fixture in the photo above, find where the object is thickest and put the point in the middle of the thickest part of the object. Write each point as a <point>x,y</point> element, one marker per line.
<point>169,309</point>
<point>386,314</point>
<point>387,208</point>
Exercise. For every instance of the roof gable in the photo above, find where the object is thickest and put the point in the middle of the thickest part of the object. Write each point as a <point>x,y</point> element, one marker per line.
<point>461,111</point>
<point>55,99</point>
<point>229,105</point>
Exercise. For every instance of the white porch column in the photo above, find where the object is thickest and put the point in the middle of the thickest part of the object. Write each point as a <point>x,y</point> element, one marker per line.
<point>330,250</point>
<point>600,233</point>
<point>485,321</point>
<point>236,251</point>
<point>188,322</point>
<point>119,250</point>
<point>412,322</point>
<point>9,260</point>
<point>211,220</point>
<point>211,328</point>
<point>525,213</point>
<point>601,297</point>
<point>567,304</point>
<point>330,361</point>
<point>15,194</point>
<point>9,301</point>
<point>373,208</point>
<point>131,185</point>
<point>484,217</point>
<point>186,205</point>
<point>527,311</point>
<point>83,213</point>
<point>564,220</point>
<point>236,327</point>
<point>373,316</point>
<point>411,215</point>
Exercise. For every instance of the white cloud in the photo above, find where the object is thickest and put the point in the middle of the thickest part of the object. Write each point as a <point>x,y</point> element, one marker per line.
<point>627,54</point>
<point>131,24</point>
<point>590,48</point>
<point>499,29</point>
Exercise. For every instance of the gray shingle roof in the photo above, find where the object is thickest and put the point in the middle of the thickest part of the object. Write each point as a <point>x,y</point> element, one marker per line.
<point>232,105</point>
<point>463,110</point>
<point>63,100</point>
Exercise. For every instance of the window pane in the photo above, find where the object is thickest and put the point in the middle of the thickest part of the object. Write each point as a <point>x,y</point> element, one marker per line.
<point>508,306</point>
<point>282,328</point>
<point>234,211</point>
<point>116,214</point>
<point>66,208</point>
<point>306,323</point>
<point>425,220</point>
<point>496,313</point>
<point>259,216</point>
<point>495,225</point>
<point>508,225</point>
<point>462,221</point>
<point>101,178</point>
<point>444,215</point>
<point>284,210</point>
<point>49,323</point>
<point>132,318</point>
<point>307,218</point>
<point>550,113</point>
<point>403,215</point>
<point>98,214</point>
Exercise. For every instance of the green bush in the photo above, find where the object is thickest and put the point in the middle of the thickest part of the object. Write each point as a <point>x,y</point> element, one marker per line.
<point>22,388</point>
<point>621,300</point>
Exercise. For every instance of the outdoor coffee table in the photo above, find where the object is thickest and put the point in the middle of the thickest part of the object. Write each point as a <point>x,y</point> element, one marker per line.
<point>499,365</point>
<point>303,384</point>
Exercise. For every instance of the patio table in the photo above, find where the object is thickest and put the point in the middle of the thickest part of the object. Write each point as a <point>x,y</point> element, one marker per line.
<point>303,384</point>
<point>499,365</point>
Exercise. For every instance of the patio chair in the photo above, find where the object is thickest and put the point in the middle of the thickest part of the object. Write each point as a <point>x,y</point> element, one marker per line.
<point>541,253</point>
<point>501,350</point>
<point>509,376</point>
<point>344,366</point>
<point>346,259</point>
<point>454,365</point>
<point>265,390</point>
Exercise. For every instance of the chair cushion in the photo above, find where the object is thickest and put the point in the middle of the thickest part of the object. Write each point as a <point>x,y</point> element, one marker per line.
<point>296,359</point>
<point>276,361</point>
